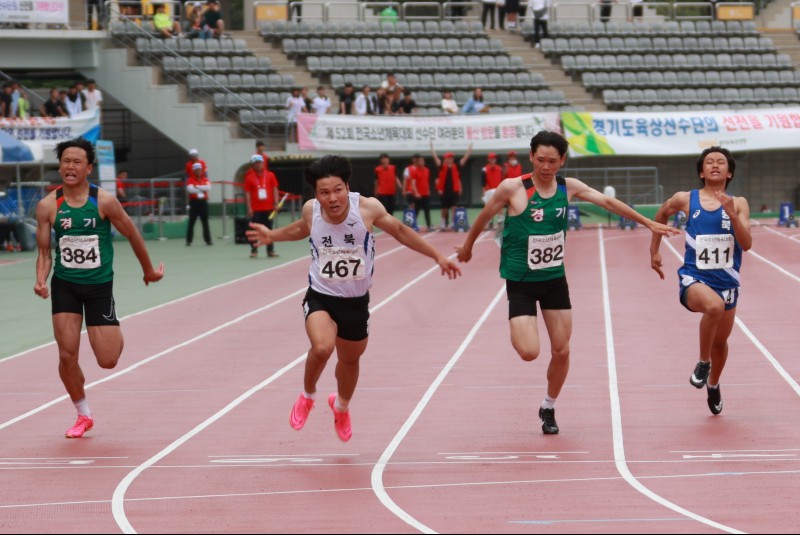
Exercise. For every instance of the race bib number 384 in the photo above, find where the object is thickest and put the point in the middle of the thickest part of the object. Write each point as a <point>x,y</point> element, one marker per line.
<point>714,251</point>
<point>342,263</point>
<point>80,252</point>
<point>545,251</point>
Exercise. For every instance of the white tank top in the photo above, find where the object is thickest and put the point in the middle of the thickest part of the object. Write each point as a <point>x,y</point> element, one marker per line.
<point>342,255</point>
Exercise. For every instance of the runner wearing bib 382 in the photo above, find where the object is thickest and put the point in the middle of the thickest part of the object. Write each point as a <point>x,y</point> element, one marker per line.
<point>81,215</point>
<point>533,253</point>
<point>717,232</point>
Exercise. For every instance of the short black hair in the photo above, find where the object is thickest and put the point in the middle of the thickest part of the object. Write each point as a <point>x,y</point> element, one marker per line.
<point>547,138</point>
<point>725,152</point>
<point>383,155</point>
<point>328,166</point>
<point>79,143</point>
<point>260,143</point>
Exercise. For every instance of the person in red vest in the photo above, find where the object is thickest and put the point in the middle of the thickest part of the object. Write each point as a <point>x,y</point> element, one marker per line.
<point>387,183</point>
<point>194,157</point>
<point>491,176</point>
<point>410,184</point>
<point>261,191</point>
<point>419,173</point>
<point>448,182</point>
<point>512,167</point>
<point>198,187</point>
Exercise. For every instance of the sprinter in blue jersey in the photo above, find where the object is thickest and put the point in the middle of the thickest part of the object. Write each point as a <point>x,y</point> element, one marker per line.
<point>717,231</point>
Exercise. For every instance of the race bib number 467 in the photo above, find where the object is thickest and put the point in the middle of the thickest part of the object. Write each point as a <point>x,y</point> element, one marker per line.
<point>342,263</point>
<point>545,251</point>
<point>80,252</point>
<point>714,251</point>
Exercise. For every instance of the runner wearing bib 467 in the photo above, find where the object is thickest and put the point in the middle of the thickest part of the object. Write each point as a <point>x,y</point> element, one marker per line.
<point>533,252</point>
<point>336,306</point>
<point>81,215</point>
<point>717,232</point>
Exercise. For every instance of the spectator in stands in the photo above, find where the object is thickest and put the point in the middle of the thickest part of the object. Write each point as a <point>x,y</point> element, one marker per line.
<point>512,168</point>
<point>122,176</point>
<point>164,25</point>
<point>386,183</point>
<point>366,102</point>
<point>449,104</point>
<point>489,8</point>
<point>346,100</point>
<point>212,24</point>
<point>407,105</point>
<point>296,8</point>
<point>194,157</point>
<point>388,16</point>
<point>380,95</point>
<point>23,106</point>
<point>309,102</point>
<point>92,95</point>
<point>53,107</point>
<point>512,12</point>
<point>394,102</point>
<point>198,187</point>
<point>74,102</point>
<point>296,105</point>
<point>637,10</point>
<point>5,101</point>
<point>605,9</point>
<point>194,21</point>
<point>475,103</point>
<point>321,104</point>
<point>261,149</point>
<point>95,6</point>
<point>15,93</point>
<point>448,182</point>
<point>261,192</point>
<point>391,84</point>
<point>541,15</point>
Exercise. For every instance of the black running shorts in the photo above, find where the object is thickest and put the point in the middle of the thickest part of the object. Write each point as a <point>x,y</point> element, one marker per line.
<point>351,314</point>
<point>551,294</point>
<point>94,301</point>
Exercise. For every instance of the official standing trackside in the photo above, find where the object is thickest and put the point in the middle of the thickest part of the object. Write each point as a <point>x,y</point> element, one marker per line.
<point>512,168</point>
<point>194,157</point>
<point>81,214</point>
<point>198,188</point>
<point>448,182</point>
<point>261,192</point>
<point>387,183</point>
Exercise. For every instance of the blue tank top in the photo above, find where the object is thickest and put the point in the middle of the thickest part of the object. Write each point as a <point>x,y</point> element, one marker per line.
<point>713,256</point>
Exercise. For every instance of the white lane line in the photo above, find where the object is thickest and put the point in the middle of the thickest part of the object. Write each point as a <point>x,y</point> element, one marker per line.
<point>774,265</point>
<point>792,237</point>
<point>118,498</point>
<point>380,466</point>
<point>171,349</point>
<point>616,410</point>
<point>756,342</point>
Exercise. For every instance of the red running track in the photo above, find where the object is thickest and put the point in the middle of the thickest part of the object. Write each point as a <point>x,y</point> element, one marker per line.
<point>172,453</point>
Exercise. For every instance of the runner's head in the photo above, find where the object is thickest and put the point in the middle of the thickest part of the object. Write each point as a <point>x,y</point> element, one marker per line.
<point>330,178</point>
<point>548,153</point>
<point>76,158</point>
<point>715,162</point>
<point>384,159</point>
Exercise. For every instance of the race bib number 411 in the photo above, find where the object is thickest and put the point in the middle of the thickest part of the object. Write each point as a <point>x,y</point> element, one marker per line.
<point>545,251</point>
<point>342,263</point>
<point>714,251</point>
<point>80,252</point>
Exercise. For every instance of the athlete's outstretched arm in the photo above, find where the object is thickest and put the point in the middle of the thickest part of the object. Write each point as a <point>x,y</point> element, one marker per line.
<point>676,203</point>
<point>261,235</point>
<point>496,203</point>
<point>44,262</point>
<point>112,209</point>
<point>402,233</point>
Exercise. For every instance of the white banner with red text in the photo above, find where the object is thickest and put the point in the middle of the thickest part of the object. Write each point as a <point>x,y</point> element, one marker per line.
<point>34,11</point>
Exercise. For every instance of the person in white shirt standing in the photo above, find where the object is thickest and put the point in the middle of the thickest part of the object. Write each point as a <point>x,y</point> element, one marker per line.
<point>321,103</point>
<point>296,105</point>
<point>541,14</point>
<point>366,102</point>
<point>92,95</point>
<point>336,307</point>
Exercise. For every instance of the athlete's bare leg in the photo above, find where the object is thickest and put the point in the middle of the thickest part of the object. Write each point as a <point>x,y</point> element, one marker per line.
<point>700,298</point>
<point>321,330</point>
<point>107,343</point>
<point>525,337</point>
<point>67,330</point>
<point>559,328</point>
<point>719,347</point>
<point>347,368</point>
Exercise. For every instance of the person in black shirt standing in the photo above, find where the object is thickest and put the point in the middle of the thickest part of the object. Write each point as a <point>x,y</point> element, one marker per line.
<point>346,100</point>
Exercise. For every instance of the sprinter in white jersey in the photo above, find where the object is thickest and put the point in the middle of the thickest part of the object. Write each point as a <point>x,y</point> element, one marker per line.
<point>336,306</point>
<point>717,232</point>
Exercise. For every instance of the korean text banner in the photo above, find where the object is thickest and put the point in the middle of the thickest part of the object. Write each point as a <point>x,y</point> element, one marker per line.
<point>353,133</point>
<point>41,134</point>
<point>682,132</point>
<point>44,11</point>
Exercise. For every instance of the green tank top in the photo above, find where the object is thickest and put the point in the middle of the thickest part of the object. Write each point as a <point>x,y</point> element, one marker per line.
<point>534,241</point>
<point>84,253</point>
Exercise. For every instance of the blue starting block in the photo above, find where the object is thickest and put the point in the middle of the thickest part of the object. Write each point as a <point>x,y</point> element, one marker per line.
<point>573,218</point>
<point>625,223</point>
<point>679,220</point>
<point>786,217</point>
<point>460,220</point>
<point>410,218</point>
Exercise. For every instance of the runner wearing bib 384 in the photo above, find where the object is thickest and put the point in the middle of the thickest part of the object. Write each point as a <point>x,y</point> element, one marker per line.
<point>81,215</point>
<point>533,253</point>
<point>717,232</point>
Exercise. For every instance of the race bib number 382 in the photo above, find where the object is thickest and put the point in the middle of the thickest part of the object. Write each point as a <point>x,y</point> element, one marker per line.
<point>545,251</point>
<point>342,263</point>
<point>80,252</point>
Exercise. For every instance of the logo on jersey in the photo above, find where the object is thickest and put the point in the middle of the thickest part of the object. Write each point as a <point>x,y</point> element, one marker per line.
<point>112,314</point>
<point>66,223</point>
<point>695,214</point>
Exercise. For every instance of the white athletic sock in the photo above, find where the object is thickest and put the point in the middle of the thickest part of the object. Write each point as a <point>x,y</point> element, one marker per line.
<point>83,407</point>
<point>712,387</point>
<point>548,403</point>
<point>341,405</point>
<point>309,396</point>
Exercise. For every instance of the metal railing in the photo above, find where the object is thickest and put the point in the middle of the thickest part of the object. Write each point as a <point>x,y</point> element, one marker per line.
<point>571,11</point>
<point>327,11</point>
<point>562,11</point>
<point>693,11</point>
<point>794,14</point>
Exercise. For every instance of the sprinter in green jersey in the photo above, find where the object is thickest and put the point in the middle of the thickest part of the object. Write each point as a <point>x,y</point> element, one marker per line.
<point>81,215</point>
<point>532,255</point>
